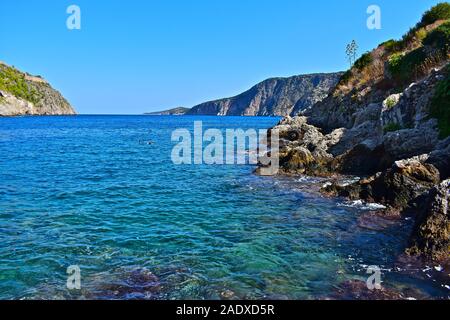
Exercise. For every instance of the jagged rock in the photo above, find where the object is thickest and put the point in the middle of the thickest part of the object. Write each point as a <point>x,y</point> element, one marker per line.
<point>367,133</point>
<point>303,148</point>
<point>431,235</point>
<point>395,187</point>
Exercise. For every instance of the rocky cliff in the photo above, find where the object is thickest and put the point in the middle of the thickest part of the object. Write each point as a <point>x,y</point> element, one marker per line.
<point>388,120</point>
<point>273,97</point>
<point>23,94</point>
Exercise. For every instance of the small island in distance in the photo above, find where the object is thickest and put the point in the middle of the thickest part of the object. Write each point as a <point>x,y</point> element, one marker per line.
<point>179,111</point>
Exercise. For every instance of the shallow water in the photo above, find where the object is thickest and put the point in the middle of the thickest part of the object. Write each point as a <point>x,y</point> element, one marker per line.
<point>89,191</point>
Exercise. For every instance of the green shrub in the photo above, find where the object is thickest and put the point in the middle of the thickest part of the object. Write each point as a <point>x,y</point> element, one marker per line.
<point>345,77</point>
<point>390,103</point>
<point>439,38</point>
<point>421,34</point>
<point>440,11</point>
<point>392,127</point>
<point>363,61</point>
<point>13,81</point>
<point>440,106</point>
<point>394,62</point>
<point>403,67</point>
<point>392,46</point>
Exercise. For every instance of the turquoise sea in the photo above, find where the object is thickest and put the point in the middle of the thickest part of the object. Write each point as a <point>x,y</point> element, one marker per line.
<point>91,191</point>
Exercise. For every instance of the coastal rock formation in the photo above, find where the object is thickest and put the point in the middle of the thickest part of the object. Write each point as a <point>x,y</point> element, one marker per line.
<point>369,146</point>
<point>23,94</point>
<point>388,120</point>
<point>303,148</point>
<point>273,97</point>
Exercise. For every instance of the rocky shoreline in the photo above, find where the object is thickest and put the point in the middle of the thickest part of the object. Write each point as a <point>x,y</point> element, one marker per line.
<point>416,187</point>
<point>387,132</point>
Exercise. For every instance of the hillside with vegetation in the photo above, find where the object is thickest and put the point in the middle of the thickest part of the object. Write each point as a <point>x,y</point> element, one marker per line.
<point>24,94</point>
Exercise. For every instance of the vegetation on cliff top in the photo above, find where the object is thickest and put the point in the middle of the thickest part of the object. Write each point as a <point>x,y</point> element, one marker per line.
<point>396,63</point>
<point>440,11</point>
<point>411,65</point>
<point>439,38</point>
<point>14,82</point>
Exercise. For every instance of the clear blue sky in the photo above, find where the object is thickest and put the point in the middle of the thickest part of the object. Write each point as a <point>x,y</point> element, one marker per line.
<point>145,55</point>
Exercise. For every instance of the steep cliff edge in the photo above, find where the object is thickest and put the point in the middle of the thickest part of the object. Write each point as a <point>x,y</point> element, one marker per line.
<point>23,94</point>
<point>273,97</point>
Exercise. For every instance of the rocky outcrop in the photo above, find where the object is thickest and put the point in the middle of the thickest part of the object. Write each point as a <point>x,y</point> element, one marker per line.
<point>431,236</point>
<point>273,97</point>
<point>23,94</point>
<point>370,145</point>
<point>303,148</point>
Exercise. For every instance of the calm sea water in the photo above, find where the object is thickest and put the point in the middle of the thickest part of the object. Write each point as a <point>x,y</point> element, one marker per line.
<point>89,191</point>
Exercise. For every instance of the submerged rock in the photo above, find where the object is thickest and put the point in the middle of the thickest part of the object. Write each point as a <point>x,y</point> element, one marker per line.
<point>357,290</point>
<point>132,284</point>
